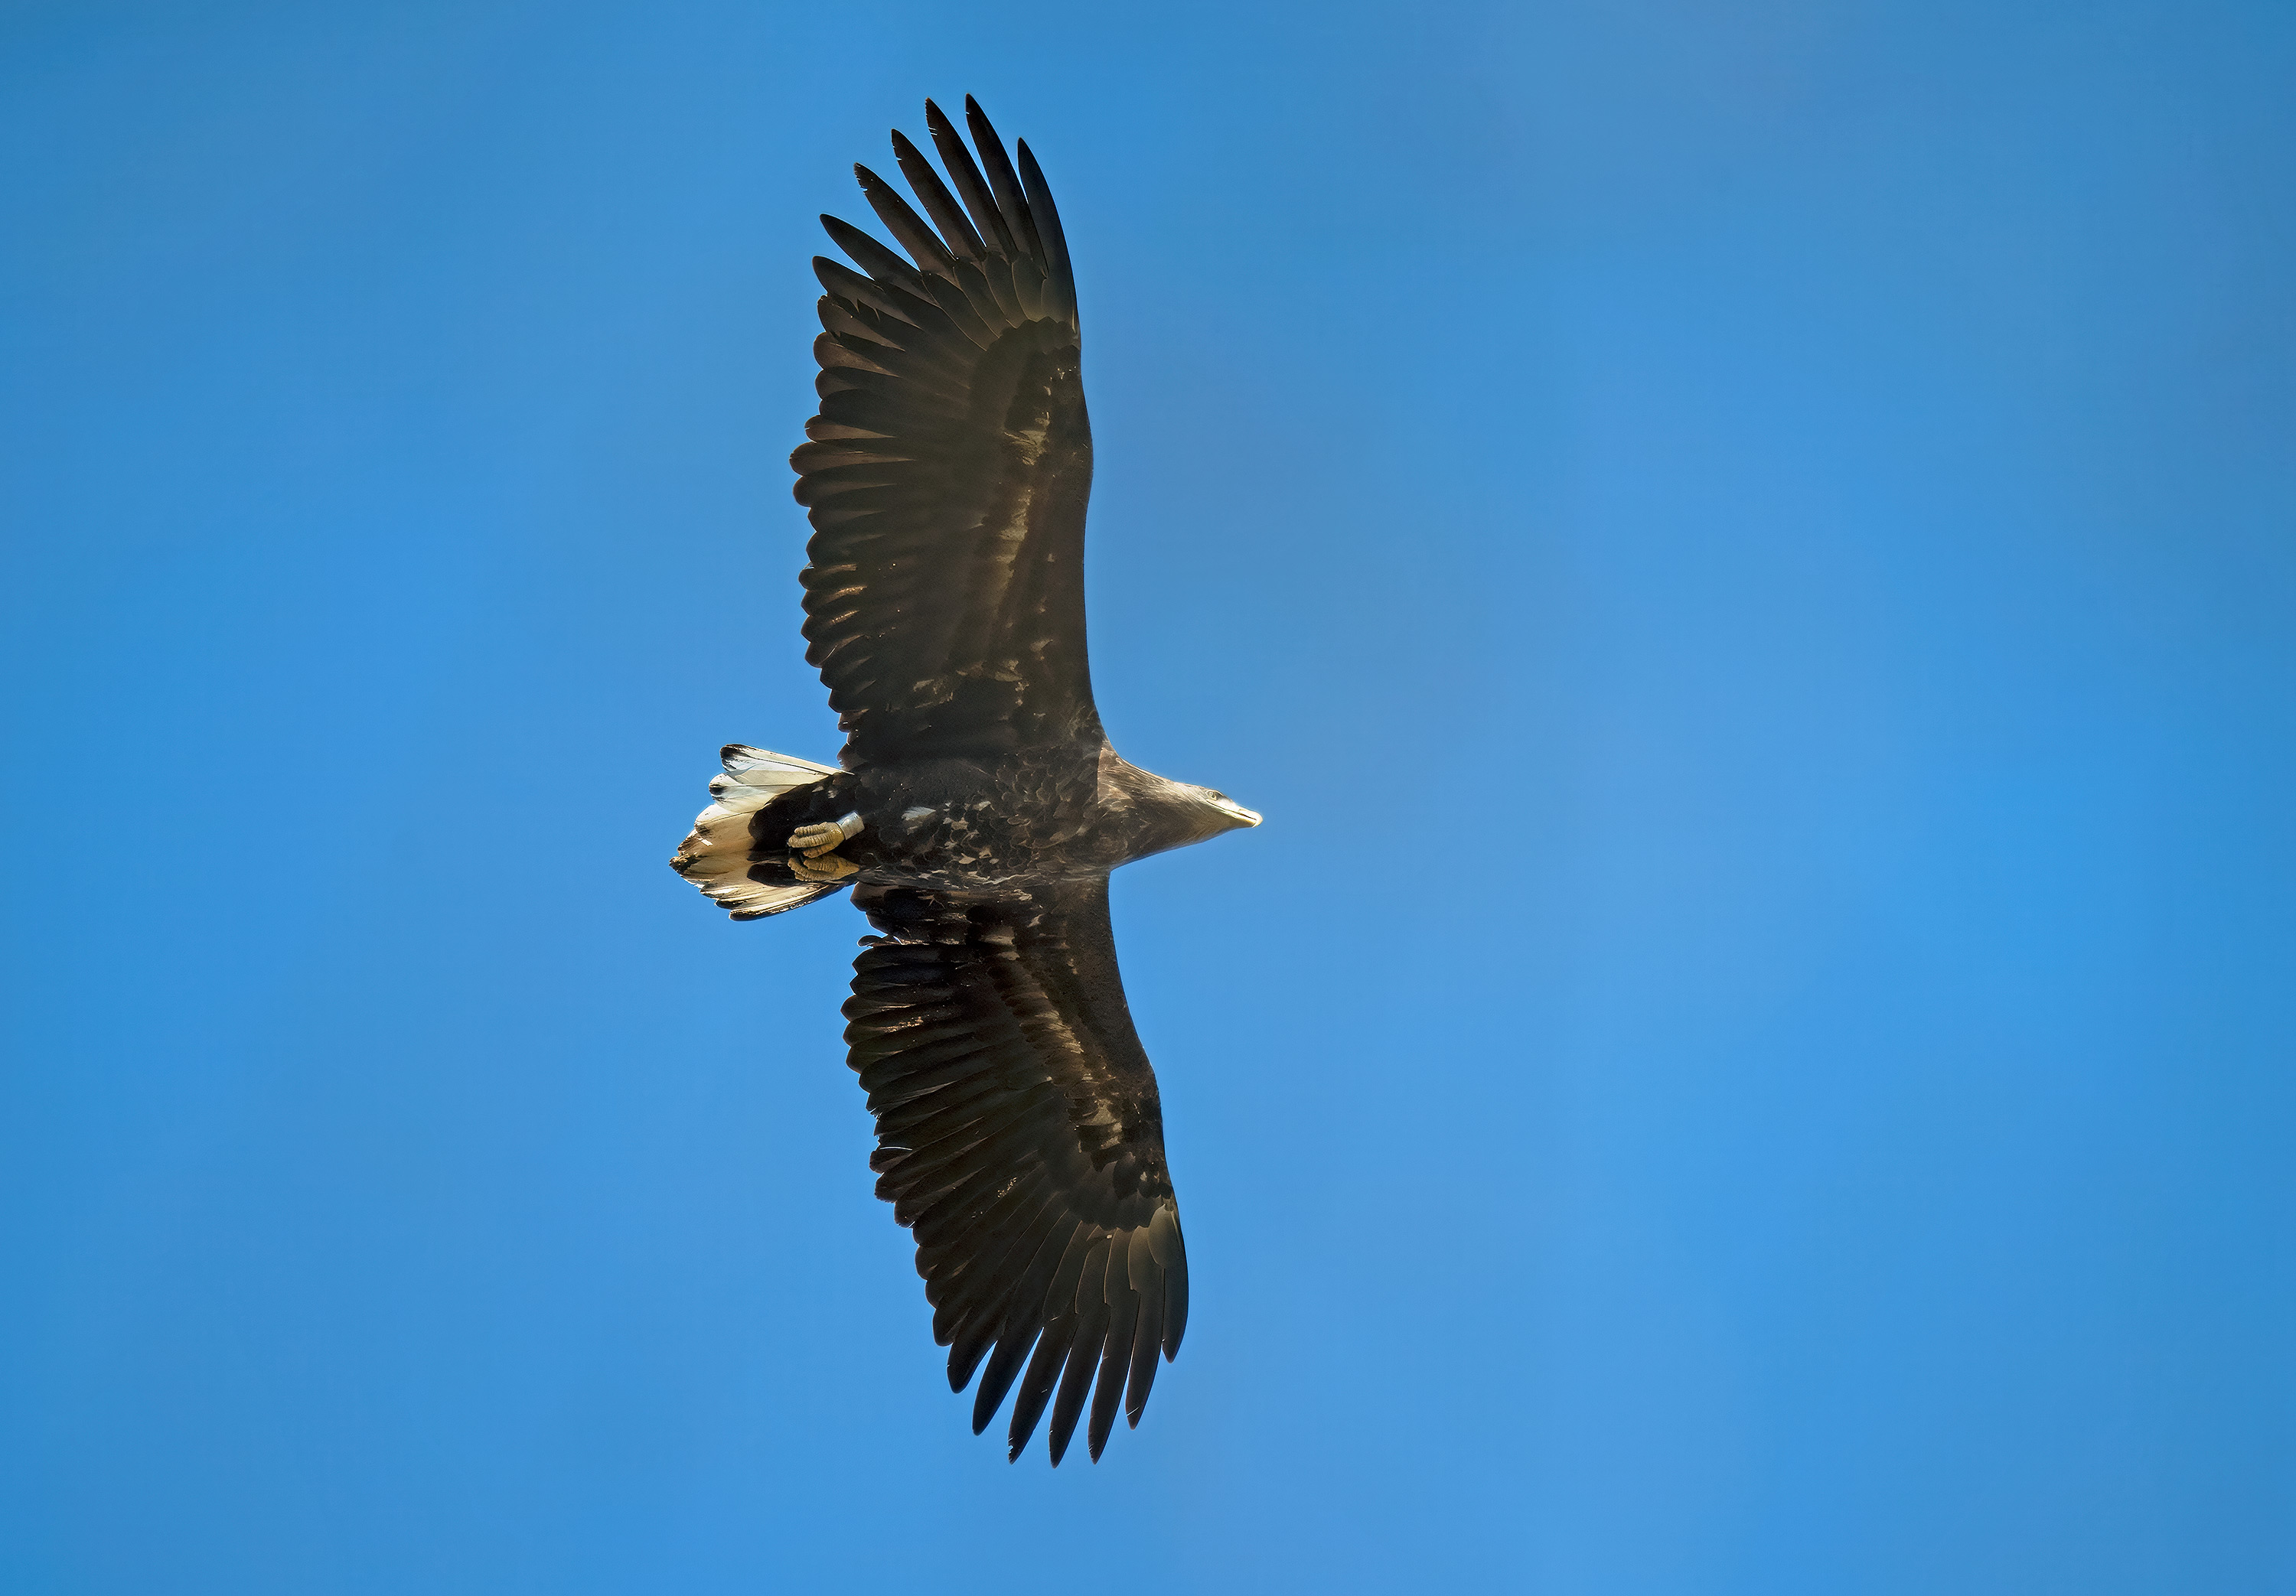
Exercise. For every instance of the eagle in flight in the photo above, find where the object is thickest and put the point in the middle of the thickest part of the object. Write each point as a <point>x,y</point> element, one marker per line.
<point>978,808</point>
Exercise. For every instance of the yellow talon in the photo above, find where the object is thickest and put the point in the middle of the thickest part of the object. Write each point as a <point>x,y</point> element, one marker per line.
<point>822,867</point>
<point>813,841</point>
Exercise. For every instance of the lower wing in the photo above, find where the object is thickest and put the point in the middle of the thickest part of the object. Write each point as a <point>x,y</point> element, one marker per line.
<point>1020,1137</point>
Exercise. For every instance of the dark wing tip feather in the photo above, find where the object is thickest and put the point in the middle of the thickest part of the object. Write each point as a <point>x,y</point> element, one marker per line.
<point>1011,213</point>
<point>925,182</point>
<point>907,228</point>
<point>1036,1386</point>
<point>1049,228</point>
<point>1076,1378</point>
<point>875,258</point>
<point>1003,1368</point>
<point>980,204</point>
<point>1011,200</point>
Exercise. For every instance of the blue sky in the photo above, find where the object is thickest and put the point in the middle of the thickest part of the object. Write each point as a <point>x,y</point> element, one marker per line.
<point>1802,490</point>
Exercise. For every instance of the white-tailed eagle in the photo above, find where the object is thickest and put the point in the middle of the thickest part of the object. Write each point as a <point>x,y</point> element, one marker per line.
<point>979,808</point>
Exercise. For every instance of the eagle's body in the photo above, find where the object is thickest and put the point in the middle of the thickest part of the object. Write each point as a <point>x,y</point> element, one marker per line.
<point>978,808</point>
<point>958,824</point>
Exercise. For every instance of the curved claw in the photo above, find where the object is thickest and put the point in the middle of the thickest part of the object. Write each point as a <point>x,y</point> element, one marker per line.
<point>823,867</point>
<point>813,841</point>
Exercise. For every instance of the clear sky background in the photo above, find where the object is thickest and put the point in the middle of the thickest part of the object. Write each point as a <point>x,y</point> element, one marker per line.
<point>1747,551</point>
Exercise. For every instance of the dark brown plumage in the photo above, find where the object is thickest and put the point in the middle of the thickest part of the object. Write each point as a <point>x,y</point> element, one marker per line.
<point>978,809</point>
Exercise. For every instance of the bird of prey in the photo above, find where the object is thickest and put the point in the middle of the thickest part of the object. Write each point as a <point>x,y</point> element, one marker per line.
<point>978,808</point>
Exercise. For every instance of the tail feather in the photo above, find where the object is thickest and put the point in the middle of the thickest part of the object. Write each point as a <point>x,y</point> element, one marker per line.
<point>715,856</point>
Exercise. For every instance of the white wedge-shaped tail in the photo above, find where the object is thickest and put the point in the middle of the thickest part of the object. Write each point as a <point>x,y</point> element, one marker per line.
<point>715,856</point>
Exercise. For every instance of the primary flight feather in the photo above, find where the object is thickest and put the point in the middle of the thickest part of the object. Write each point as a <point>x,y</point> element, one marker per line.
<point>979,808</point>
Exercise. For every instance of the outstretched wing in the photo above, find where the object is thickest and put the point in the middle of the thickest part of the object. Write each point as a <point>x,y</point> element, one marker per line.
<point>949,467</point>
<point>1020,1138</point>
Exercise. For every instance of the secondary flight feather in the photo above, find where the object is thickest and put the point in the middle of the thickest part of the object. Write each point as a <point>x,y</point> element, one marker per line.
<point>977,808</point>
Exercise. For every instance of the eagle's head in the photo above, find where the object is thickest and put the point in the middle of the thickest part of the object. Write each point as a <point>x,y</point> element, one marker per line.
<point>1220,813</point>
<point>1164,813</point>
<point>1185,814</point>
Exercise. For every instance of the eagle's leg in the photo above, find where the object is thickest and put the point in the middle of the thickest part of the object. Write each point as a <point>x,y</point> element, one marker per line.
<point>813,841</point>
<point>813,855</point>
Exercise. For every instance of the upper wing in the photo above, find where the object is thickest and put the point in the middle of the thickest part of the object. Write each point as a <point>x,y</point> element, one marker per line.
<point>949,467</point>
<point>1020,1137</point>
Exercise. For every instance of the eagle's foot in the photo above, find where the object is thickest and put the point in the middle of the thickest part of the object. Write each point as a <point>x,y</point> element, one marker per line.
<point>821,867</point>
<point>813,841</point>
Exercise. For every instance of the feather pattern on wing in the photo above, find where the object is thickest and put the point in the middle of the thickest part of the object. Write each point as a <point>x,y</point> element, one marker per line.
<point>1020,1138</point>
<point>949,467</point>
